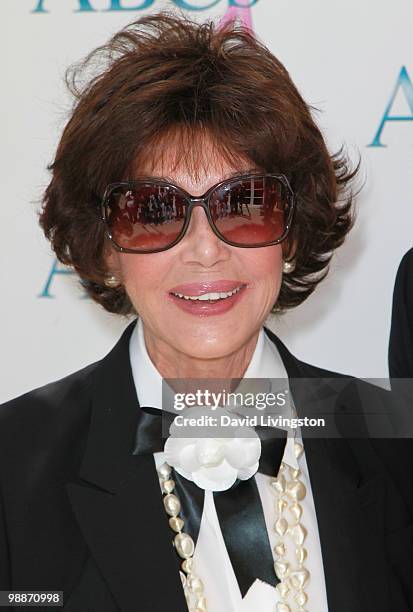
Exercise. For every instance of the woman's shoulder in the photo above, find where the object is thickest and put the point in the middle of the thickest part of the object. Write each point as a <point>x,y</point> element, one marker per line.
<point>43,435</point>
<point>353,395</point>
<point>297,368</point>
<point>62,407</point>
<point>56,404</point>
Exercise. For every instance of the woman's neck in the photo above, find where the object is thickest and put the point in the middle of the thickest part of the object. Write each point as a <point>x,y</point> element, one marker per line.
<point>172,363</point>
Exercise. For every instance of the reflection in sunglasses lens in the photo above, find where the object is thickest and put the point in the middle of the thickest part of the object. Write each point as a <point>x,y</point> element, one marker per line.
<point>146,217</point>
<point>251,212</point>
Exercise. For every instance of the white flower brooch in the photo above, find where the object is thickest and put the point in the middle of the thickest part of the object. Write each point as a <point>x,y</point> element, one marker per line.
<point>212,463</point>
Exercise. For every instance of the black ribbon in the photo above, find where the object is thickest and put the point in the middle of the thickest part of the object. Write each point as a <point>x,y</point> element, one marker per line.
<point>239,508</point>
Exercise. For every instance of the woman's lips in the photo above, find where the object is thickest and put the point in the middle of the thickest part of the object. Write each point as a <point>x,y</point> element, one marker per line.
<point>219,304</point>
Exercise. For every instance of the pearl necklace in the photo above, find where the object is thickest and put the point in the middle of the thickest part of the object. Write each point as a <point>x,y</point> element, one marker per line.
<point>184,544</point>
<point>289,491</point>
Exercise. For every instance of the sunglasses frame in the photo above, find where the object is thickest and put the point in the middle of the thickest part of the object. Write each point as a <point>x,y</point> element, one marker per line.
<point>190,203</point>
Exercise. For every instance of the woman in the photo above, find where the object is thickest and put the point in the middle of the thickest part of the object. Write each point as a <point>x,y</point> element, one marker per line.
<point>313,524</point>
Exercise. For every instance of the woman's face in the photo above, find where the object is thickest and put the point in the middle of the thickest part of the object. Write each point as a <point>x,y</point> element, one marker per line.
<point>200,263</point>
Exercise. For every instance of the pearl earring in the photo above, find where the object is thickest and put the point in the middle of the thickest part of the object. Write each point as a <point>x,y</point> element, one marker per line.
<point>111,281</point>
<point>288,267</point>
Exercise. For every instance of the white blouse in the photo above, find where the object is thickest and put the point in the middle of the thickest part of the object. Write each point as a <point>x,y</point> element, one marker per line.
<point>211,559</point>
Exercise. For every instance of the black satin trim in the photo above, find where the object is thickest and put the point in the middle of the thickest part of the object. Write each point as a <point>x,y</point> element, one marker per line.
<point>242,522</point>
<point>192,504</point>
<point>239,508</point>
<point>272,451</point>
<point>149,437</point>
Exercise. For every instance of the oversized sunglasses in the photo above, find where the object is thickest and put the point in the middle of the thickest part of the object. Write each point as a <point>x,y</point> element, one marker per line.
<point>149,215</point>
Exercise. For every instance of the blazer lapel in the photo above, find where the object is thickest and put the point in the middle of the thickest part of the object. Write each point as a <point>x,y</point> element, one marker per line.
<point>350,512</point>
<point>117,499</point>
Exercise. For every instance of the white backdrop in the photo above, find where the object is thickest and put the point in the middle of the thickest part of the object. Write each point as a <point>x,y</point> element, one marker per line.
<point>346,59</point>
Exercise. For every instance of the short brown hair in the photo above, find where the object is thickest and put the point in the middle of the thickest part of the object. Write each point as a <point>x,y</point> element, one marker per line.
<point>164,72</point>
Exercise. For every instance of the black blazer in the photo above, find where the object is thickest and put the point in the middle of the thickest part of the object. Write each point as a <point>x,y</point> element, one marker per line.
<point>80,513</point>
<point>401,333</point>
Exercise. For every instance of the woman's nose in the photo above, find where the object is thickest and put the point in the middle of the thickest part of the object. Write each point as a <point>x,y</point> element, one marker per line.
<point>200,244</point>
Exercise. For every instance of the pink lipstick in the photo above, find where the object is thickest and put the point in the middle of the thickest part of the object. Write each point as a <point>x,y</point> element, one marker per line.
<point>207,298</point>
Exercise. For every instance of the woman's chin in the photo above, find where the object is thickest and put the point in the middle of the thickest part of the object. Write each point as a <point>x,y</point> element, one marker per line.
<point>211,344</point>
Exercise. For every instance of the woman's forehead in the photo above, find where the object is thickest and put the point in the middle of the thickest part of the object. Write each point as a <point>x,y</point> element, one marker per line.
<point>197,167</point>
<point>189,158</point>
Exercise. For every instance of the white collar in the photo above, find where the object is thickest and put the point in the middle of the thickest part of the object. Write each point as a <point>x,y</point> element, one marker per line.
<point>265,363</point>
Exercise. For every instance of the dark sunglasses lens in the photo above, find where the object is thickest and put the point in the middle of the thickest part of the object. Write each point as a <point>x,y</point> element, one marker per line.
<point>251,212</point>
<point>145,217</point>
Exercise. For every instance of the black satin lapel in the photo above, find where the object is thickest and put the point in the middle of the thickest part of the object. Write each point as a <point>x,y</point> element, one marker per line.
<point>114,418</point>
<point>130,539</point>
<point>117,499</point>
